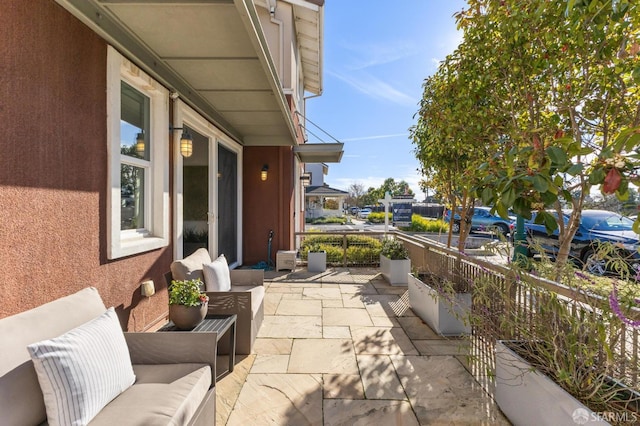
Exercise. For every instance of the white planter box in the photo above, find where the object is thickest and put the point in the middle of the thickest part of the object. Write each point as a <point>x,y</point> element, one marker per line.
<point>441,315</point>
<point>528,397</point>
<point>395,271</point>
<point>317,261</point>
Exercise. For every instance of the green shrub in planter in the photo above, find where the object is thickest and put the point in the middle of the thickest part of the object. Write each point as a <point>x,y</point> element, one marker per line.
<point>394,249</point>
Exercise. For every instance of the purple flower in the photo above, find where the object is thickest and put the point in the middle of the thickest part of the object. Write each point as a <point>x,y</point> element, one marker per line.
<point>614,303</point>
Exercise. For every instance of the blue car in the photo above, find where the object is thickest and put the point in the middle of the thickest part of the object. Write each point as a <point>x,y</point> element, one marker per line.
<point>596,227</point>
<point>483,220</point>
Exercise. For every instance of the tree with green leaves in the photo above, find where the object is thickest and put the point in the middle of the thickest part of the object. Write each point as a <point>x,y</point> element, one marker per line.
<point>555,102</point>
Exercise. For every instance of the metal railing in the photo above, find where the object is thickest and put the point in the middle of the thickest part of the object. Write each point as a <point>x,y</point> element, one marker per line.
<point>345,248</point>
<point>525,294</point>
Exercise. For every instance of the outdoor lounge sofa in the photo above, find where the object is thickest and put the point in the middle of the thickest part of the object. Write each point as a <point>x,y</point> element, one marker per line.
<point>245,298</point>
<point>172,374</point>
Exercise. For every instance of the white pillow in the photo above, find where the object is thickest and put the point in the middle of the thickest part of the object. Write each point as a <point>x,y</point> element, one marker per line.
<point>216,275</point>
<point>83,370</point>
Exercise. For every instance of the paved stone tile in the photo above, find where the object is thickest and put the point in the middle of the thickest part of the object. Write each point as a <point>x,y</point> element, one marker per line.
<point>272,346</point>
<point>347,386</point>
<point>271,301</point>
<point>336,332</point>
<point>291,327</point>
<point>345,316</point>
<point>442,347</point>
<point>379,378</point>
<point>300,307</point>
<point>270,364</point>
<point>279,399</point>
<point>322,293</point>
<point>417,329</point>
<point>228,388</point>
<point>332,303</point>
<point>385,322</point>
<point>367,413</point>
<point>358,288</point>
<point>381,341</point>
<point>337,275</point>
<point>351,300</point>
<point>441,391</point>
<point>383,305</point>
<point>334,356</point>
<point>292,296</point>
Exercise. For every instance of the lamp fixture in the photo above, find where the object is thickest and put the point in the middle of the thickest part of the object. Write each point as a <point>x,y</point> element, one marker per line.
<point>306,179</point>
<point>186,141</point>
<point>140,144</point>
<point>263,172</point>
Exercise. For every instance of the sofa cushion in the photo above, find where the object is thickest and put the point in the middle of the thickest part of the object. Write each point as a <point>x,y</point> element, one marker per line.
<point>158,397</point>
<point>82,370</point>
<point>190,268</point>
<point>216,275</point>
<point>21,399</point>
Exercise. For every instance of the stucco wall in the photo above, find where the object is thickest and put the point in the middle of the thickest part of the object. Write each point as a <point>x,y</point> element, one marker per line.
<point>53,170</point>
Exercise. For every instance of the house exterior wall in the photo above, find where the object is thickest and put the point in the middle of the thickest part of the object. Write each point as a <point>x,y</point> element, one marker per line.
<point>267,205</point>
<point>53,171</point>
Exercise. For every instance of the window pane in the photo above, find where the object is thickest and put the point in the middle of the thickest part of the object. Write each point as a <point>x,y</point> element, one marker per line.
<point>132,197</point>
<point>134,122</point>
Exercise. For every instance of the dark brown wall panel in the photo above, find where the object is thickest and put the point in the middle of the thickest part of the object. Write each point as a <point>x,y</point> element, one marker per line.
<point>267,205</point>
<point>53,169</point>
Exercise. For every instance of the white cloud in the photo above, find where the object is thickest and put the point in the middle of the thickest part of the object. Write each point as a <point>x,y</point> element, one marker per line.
<point>379,53</point>
<point>375,88</point>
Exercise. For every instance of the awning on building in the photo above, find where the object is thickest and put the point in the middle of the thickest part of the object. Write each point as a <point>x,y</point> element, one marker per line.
<point>319,152</point>
<point>214,55</point>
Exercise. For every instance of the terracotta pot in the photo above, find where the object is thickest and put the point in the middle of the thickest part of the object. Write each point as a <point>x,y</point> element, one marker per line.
<point>187,317</point>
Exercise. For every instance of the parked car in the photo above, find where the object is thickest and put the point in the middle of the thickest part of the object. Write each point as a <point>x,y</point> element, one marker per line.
<point>596,227</point>
<point>483,220</point>
<point>364,213</point>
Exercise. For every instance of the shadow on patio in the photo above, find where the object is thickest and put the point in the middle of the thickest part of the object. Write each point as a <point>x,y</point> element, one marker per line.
<point>343,347</point>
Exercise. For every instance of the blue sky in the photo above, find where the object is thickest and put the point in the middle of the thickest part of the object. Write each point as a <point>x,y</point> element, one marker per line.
<point>376,56</point>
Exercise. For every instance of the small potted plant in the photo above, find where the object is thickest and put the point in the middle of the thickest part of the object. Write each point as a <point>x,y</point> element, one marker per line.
<point>394,262</point>
<point>187,303</point>
<point>316,258</point>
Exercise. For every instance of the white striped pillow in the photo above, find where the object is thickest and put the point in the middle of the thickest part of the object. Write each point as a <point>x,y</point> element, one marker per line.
<point>83,370</point>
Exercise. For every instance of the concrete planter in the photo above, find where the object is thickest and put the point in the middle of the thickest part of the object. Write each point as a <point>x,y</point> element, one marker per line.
<point>395,271</point>
<point>443,316</point>
<point>317,261</point>
<point>527,396</point>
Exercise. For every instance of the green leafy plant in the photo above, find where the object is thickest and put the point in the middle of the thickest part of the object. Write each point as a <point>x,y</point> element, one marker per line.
<point>393,249</point>
<point>187,293</point>
<point>577,338</point>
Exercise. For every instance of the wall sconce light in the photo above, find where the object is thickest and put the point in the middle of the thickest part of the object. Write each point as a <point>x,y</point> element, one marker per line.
<point>305,179</point>
<point>140,144</point>
<point>263,172</point>
<point>186,142</point>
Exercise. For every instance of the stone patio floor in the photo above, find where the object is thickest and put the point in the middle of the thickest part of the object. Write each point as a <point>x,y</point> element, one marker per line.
<point>343,347</point>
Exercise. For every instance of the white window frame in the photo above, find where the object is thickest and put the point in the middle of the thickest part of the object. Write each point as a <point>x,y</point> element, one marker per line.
<point>155,235</point>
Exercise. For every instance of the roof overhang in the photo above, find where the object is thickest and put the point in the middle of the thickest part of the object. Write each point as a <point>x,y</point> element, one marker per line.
<point>212,53</point>
<point>308,16</point>
<point>319,152</point>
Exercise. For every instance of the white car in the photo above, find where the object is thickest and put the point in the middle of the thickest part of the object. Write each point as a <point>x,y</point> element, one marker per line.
<point>362,214</point>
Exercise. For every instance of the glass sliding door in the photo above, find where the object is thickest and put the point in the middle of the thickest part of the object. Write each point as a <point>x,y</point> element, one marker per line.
<point>196,190</point>
<point>227,204</point>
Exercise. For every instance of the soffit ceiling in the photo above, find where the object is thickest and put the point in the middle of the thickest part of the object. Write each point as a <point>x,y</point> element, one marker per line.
<point>213,54</point>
